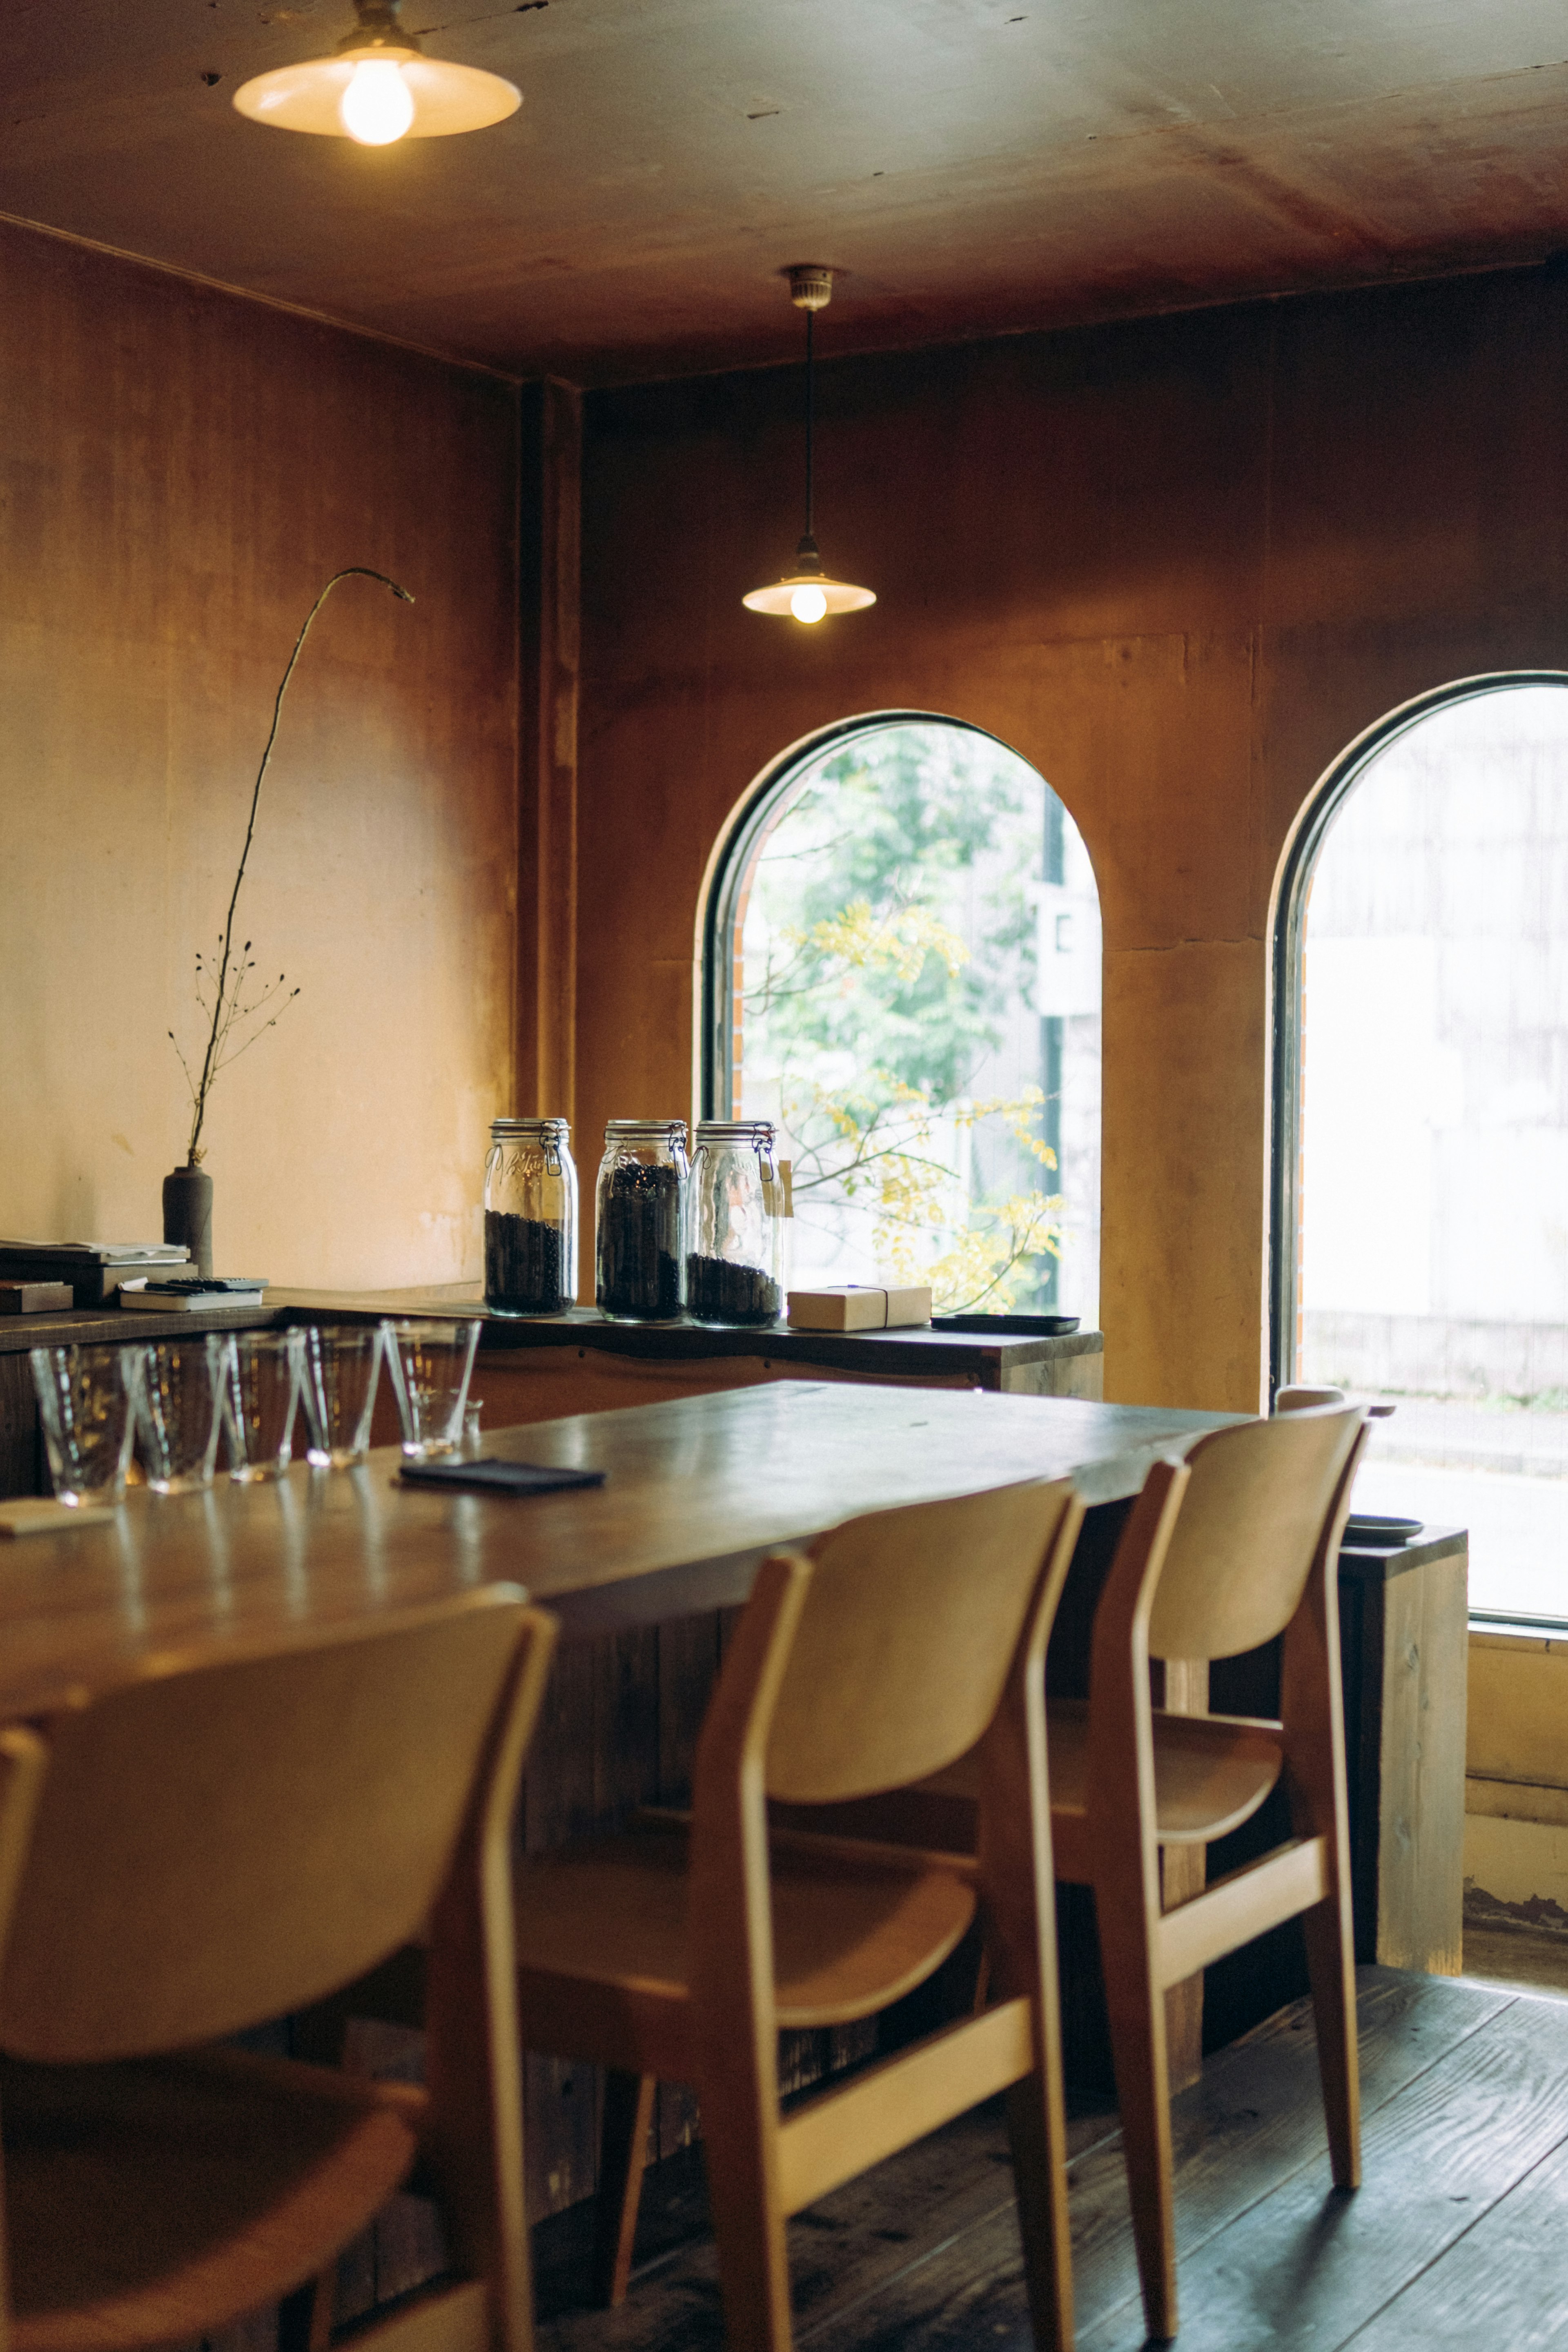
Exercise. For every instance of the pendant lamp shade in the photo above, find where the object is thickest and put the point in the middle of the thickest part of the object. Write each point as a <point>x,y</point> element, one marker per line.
<point>378,86</point>
<point>808,594</point>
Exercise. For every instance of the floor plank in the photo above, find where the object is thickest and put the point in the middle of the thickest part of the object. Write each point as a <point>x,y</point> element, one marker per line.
<point>1252,2122</point>
<point>1501,2284</point>
<point>922,2254</point>
<point>1304,2266</point>
<point>1256,2120</point>
<point>845,2253</point>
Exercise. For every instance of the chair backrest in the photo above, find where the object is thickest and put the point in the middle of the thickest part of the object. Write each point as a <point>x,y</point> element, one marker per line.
<point>904,1642</point>
<point>1301,1399</point>
<point>218,1843</point>
<point>1250,1524</point>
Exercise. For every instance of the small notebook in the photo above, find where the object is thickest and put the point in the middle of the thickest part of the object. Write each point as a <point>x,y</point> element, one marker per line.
<point>499,1477</point>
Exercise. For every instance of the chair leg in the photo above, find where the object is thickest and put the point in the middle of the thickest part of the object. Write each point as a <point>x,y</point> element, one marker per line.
<point>748,2226</point>
<point>305,2318</point>
<point>1331,1966</point>
<point>320,2036</point>
<point>1036,2128</point>
<point>1137,2010</point>
<point>623,2152</point>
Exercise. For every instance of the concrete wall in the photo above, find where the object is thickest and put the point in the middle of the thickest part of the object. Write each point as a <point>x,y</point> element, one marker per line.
<point>180,471</point>
<point>1179,565</point>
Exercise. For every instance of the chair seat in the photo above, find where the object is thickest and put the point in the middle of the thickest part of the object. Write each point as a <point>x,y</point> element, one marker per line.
<point>847,1939</point>
<point>160,2199</point>
<point>1211,1774</point>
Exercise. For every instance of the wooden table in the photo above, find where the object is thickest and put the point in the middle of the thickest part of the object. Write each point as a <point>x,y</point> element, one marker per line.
<point>698,1491</point>
<point>642,1572</point>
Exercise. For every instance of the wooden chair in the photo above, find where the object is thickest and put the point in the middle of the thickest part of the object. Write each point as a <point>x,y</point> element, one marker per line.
<point>1222,1553</point>
<point>902,1640</point>
<point>1235,1548</point>
<point>210,1846</point>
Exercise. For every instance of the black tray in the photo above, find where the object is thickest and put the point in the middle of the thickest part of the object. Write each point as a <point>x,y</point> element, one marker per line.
<point>1009,1326</point>
<point>1374,1527</point>
<point>489,1477</point>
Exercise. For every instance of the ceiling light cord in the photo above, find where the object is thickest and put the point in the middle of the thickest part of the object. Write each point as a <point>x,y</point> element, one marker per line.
<point>809,593</point>
<point>810,412</point>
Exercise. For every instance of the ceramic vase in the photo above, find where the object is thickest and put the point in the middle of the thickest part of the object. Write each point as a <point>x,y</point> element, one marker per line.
<point>188,1214</point>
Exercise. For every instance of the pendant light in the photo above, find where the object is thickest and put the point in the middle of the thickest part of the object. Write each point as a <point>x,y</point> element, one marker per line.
<point>378,86</point>
<point>808,593</point>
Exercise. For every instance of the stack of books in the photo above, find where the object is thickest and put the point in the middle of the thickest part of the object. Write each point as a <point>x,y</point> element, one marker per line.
<point>94,1270</point>
<point>174,1293</point>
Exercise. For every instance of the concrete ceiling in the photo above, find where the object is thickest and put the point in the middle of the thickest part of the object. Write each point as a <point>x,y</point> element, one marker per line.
<point>973,166</point>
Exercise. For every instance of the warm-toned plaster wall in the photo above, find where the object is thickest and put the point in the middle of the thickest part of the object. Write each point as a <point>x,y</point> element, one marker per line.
<point>180,471</point>
<point>1179,565</point>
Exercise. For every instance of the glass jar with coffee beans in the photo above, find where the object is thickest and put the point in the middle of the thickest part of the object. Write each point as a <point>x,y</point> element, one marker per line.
<point>733,1257</point>
<point>640,1218</point>
<point>530,1218</point>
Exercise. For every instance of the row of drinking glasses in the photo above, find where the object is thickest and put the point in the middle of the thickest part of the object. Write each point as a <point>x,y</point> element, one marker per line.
<point>175,1400</point>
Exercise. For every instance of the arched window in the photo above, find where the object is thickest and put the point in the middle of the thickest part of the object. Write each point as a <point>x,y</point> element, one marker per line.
<point>902,971</point>
<point>1421,1119</point>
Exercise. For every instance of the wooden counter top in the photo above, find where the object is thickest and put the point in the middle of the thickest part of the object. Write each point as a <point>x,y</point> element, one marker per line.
<point>914,1354</point>
<point>570,1363</point>
<point>910,1352</point>
<point>119,1327</point>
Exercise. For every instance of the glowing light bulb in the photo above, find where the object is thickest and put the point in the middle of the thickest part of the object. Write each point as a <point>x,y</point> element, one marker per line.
<point>378,106</point>
<point>807,604</point>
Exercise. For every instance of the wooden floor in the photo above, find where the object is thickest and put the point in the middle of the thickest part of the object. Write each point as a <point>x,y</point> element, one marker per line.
<point>1459,2238</point>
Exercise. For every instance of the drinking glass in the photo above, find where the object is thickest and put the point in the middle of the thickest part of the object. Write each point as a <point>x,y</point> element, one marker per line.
<point>179,1410</point>
<point>261,1379</point>
<point>339,1366</point>
<point>431,1365</point>
<point>86,1403</point>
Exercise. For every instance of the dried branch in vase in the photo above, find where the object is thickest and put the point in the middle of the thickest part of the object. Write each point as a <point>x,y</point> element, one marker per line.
<point>226,990</point>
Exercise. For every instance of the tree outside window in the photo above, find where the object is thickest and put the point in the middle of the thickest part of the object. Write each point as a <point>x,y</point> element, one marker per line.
<point>917,1007</point>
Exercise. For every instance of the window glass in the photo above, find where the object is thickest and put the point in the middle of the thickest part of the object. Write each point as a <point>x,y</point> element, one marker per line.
<point>916,1003</point>
<point>1434,1210</point>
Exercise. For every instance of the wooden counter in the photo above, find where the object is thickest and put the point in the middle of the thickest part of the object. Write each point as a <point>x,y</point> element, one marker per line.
<point>531,1371</point>
<point>573,1363</point>
<point>1014,1364</point>
<point>22,1470</point>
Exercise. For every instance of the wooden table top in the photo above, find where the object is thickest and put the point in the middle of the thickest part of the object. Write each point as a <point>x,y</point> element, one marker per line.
<point>698,1491</point>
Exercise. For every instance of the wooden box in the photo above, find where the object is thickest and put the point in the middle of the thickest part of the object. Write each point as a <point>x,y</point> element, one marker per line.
<point>857,1306</point>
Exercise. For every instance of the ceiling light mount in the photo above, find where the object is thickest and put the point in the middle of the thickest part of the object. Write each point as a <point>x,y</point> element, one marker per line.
<point>378,86</point>
<point>809,593</point>
<point>810,285</point>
